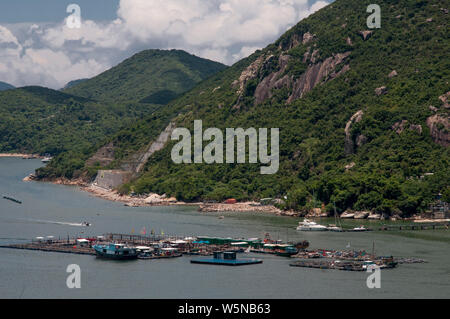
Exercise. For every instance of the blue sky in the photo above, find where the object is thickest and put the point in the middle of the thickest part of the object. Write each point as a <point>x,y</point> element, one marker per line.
<point>38,46</point>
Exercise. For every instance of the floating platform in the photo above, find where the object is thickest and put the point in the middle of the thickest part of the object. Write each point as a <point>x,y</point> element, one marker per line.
<point>70,249</point>
<point>226,259</point>
<point>223,262</point>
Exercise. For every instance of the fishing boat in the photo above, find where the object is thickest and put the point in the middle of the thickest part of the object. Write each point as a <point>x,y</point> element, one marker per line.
<point>86,224</point>
<point>286,251</point>
<point>12,199</point>
<point>307,225</point>
<point>115,251</point>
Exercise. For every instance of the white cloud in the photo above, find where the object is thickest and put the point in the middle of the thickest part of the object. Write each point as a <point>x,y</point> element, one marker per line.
<point>221,30</point>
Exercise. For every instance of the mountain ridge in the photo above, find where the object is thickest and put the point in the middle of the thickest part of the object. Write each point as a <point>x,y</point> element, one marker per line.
<point>173,72</point>
<point>353,133</point>
<point>36,119</point>
<point>5,86</point>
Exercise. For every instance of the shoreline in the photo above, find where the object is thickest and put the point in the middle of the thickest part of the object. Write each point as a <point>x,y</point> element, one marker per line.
<point>154,199</point>
<point>23,155</point>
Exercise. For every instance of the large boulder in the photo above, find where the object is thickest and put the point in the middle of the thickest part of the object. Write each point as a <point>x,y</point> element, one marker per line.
<point>444,99</point>
<point>361,215</point>
<point>381,90</point>
<point>439,129</point>
<point>366,34</point>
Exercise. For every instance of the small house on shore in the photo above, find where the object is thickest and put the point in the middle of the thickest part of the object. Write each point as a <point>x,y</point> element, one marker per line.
<point>440,209</point>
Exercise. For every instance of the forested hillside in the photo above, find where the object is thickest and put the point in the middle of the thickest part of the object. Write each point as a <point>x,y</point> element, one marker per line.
<point>363,116</point>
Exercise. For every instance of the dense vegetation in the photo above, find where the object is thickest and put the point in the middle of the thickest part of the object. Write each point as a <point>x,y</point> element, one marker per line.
<point>151,76</point>
<point>5,86</point>
<point>73,83</point>
<point>41,120</point>
<point>390,169</point>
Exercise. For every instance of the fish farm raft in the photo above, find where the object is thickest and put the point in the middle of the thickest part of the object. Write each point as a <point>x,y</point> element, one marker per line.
<point>222,250</point>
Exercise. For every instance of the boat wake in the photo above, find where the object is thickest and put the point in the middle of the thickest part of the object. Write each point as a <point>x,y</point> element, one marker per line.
<point>39,221</point>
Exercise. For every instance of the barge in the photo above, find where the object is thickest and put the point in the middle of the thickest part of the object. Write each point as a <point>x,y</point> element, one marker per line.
<point>226,259</point>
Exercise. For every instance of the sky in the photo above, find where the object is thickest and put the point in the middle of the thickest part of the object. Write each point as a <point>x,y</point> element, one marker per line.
<point>42,44</point>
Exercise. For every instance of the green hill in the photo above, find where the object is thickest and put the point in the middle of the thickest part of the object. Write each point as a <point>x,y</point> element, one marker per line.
<point>363,116</point>
<point>151,76</point>
<point>40,120</point>
<point>5,86</point>
<point>73,83</point>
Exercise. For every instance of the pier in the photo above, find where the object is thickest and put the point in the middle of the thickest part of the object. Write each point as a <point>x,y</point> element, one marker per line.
<point>416,226</point>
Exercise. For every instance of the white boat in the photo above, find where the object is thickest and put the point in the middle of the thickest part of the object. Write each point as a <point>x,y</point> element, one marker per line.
<point>307,225</point>
<point>46,159</point>
<point>360,228</point>
<point>334,228</point>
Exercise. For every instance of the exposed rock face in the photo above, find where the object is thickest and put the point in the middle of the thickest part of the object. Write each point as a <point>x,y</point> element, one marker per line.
<point>249,73</point>
<point>361,140</point>
<point>104,156</point>
<point>366,34</point>
<point>272,81</point>
<point>294,41</point>
<point>399,127</point>
<point>392,74</point>
<point>439,129</point>
<point>416,128</point>
<point>381,90</point>
<point>307,37</point>
<point>350,166</point>
<point>314,56</point>
<point>349,41</point>
<point>432,108</point>
<point>315,74</point>
<point>444,99</point>
<point>349,145</point>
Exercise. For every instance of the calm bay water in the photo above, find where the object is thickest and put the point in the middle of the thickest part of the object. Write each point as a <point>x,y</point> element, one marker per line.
<point>56,210</point>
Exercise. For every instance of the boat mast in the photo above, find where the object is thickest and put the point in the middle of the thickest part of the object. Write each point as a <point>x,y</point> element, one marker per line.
<point>373,250</point>
<point>336,218</point>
